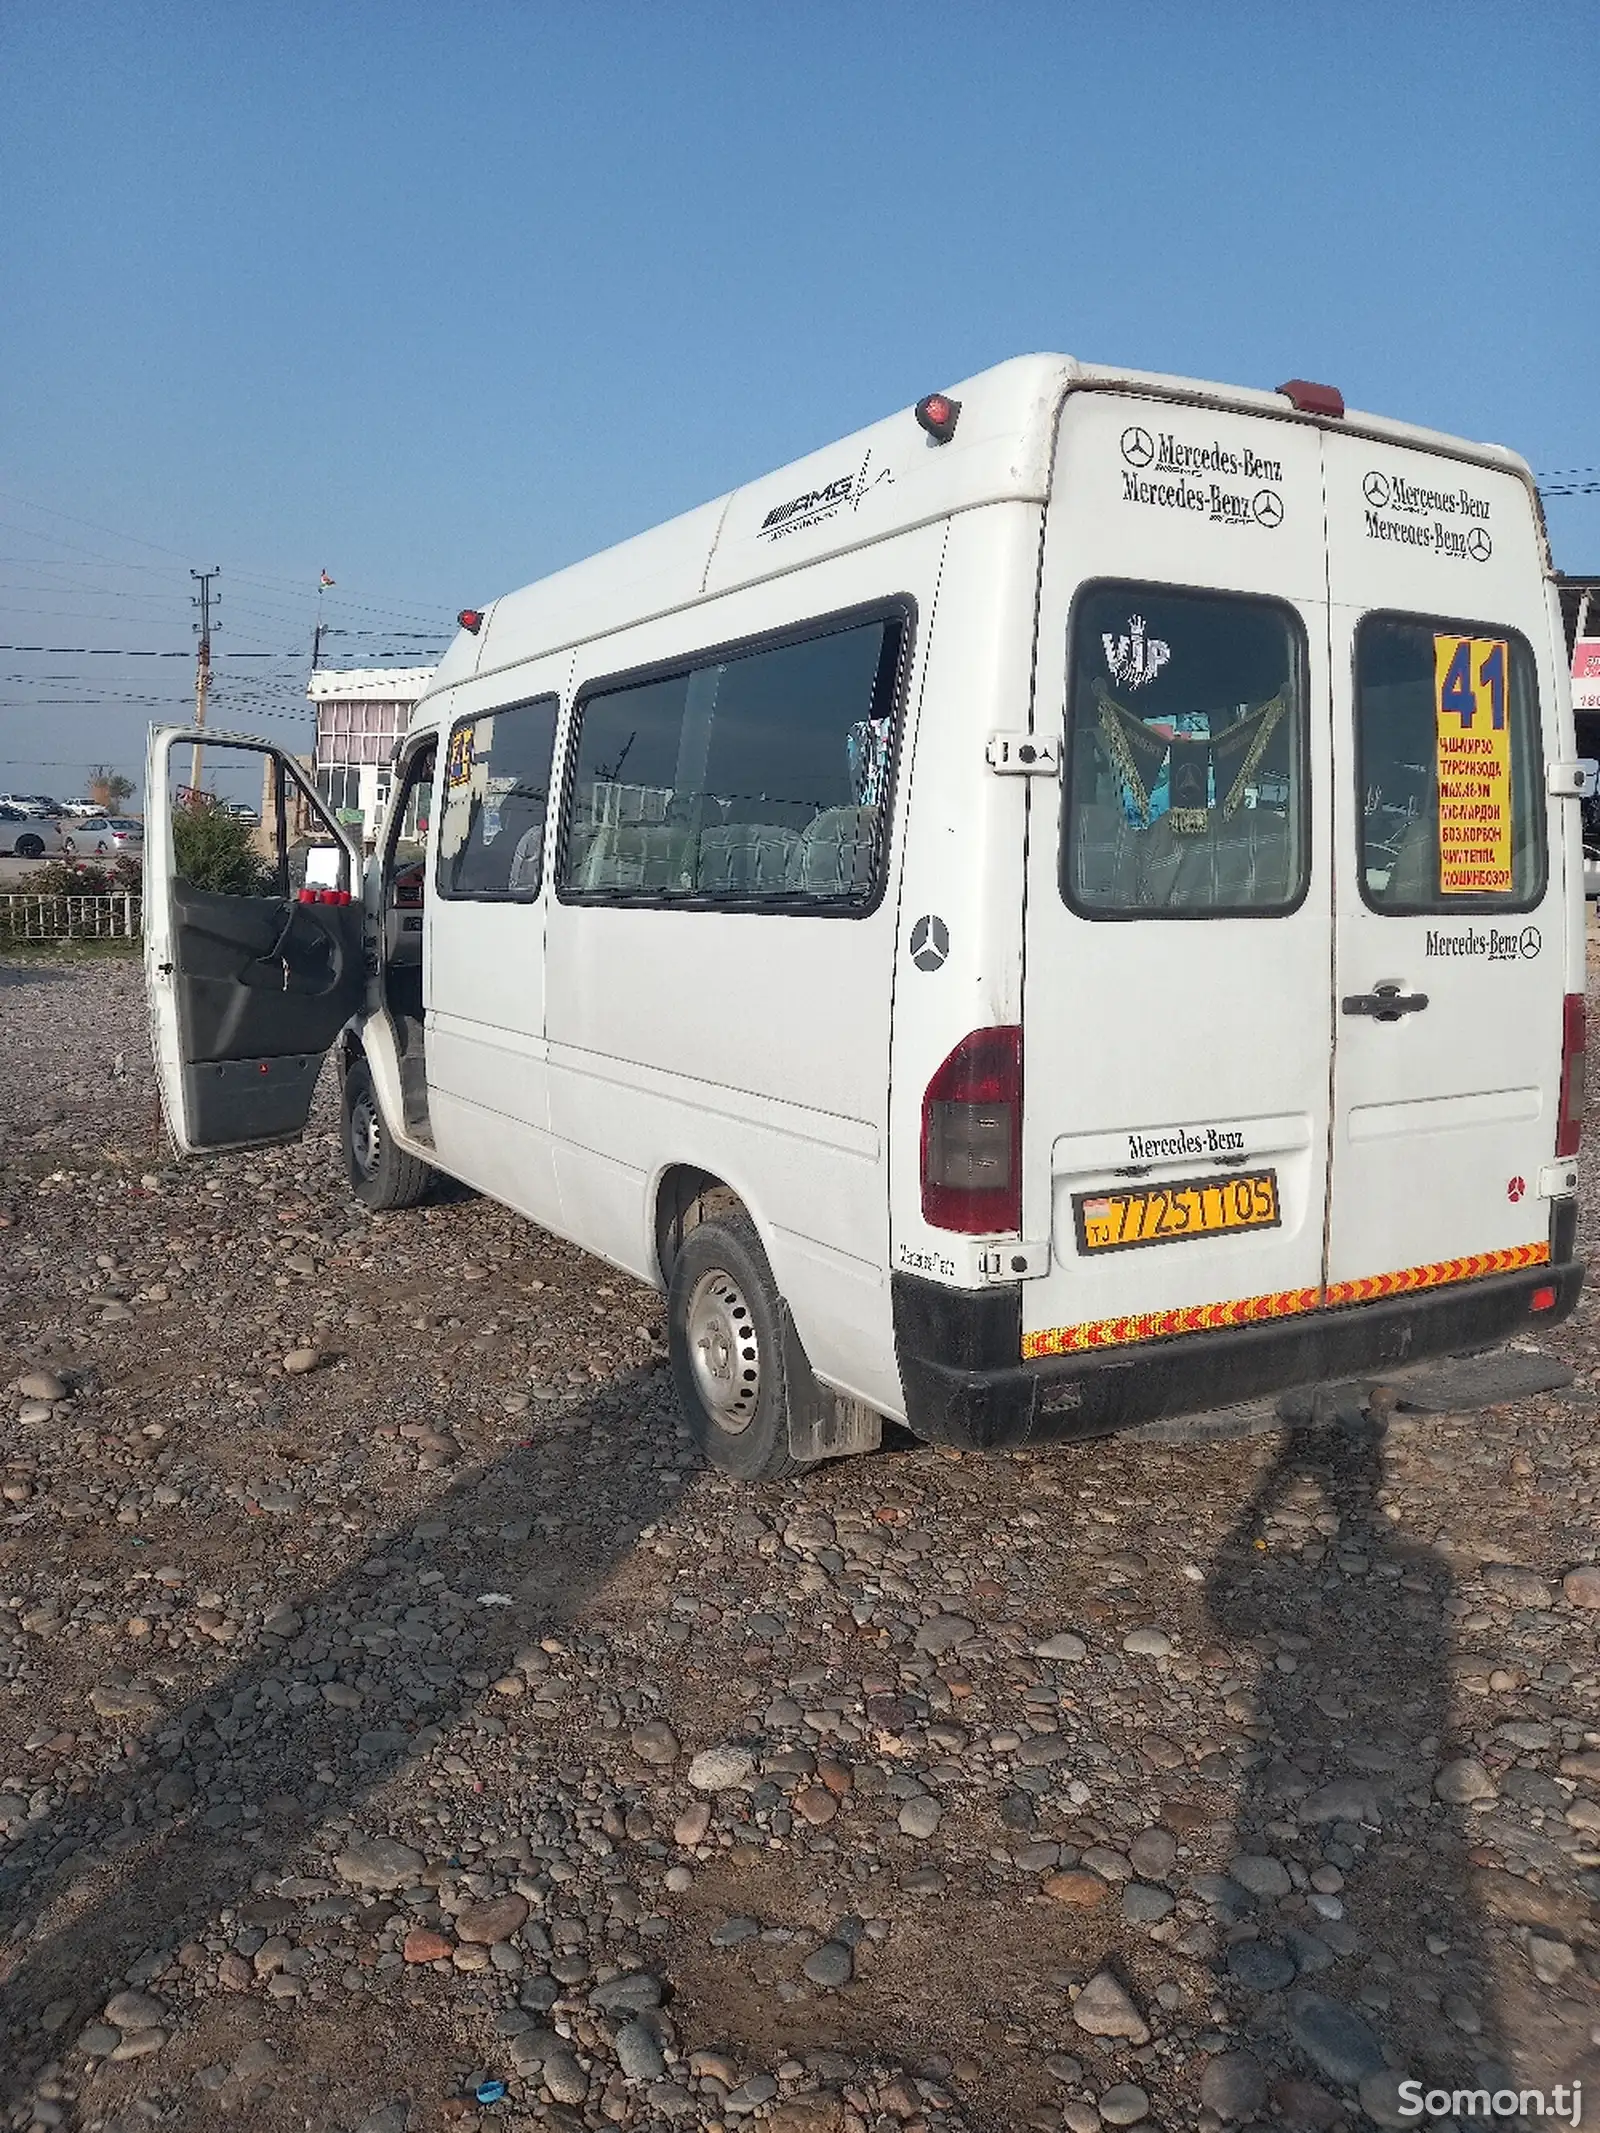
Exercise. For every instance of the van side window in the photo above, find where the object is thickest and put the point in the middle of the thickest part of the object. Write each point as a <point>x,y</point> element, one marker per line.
<point>1185,777</point>
<point>1452,786</point>
<point>494,796</point>
<point>757,778</point>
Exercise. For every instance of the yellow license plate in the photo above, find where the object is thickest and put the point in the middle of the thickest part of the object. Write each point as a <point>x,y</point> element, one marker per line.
<point>1172,1214</point>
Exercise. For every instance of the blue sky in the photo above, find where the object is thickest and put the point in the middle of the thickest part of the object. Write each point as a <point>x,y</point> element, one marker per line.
<point>443,297</point>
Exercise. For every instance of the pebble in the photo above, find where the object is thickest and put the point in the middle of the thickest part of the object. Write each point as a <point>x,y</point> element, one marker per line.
<point>300,1360</point>
<point>1124,2105</point>
<point>655,1742</point>
<point>920,1817</point>
<point>496,1920</point>
<point>721,1769</point>
<point>565,2078</point>
<point>944,1633</point>
<point>135,2010</point>
<point>1259,1966</point>
<point>1463,1782</point>
<point>1234,2086</point>
<point>42,1385</point>
<point>1340,2043</point>
<point>378,1863</point>
<point>1148,1643</point>
<point>1075,1887</point>
<point>638,2053</point>
<point>1063,1646</point>
<point>1103,2009</point>
<point>831,1965</point>
<point>1582,1585</point>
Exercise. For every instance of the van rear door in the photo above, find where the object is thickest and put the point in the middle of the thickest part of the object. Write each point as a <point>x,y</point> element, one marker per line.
<point>1178,942</point>
<point>1454,925</point>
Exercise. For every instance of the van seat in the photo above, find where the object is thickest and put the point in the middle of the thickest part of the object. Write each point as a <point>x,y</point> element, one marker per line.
<point>640,855</point>
<point>835,853</point>
<point>1107,855</point>
<point>1240,862</point>
<point>739,858</point>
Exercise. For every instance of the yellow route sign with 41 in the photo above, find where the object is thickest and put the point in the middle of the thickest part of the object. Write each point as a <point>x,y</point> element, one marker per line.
<point>1473,742</point>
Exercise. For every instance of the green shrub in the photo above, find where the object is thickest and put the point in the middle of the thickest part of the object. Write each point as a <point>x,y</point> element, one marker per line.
<point>215,850</point>
<point>86,877</point>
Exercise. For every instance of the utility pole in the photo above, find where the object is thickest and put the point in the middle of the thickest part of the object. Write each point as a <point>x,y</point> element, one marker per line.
<point>202,677</point>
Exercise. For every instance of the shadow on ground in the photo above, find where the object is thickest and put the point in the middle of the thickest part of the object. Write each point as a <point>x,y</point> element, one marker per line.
<point>1355,1733</point>
<point>114,1874</point>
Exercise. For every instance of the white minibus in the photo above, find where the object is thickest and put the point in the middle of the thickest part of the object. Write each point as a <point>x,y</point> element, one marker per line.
<point>1062,909</point>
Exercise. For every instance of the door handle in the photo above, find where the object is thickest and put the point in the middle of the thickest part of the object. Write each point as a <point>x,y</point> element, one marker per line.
<point>1385,1003</point>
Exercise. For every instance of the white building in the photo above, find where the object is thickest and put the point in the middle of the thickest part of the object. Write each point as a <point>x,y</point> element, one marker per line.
<point>361,713</point>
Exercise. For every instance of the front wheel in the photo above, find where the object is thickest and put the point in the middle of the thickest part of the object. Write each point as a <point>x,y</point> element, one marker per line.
<point>30,847</point>
<point>382,1176</point>
<point>725,1340</point>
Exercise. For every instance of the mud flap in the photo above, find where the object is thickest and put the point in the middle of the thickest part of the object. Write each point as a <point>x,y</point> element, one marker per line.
<point>823,1424</point>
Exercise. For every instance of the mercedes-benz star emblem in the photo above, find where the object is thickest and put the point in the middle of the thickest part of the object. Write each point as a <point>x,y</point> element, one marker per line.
<point>1138,446</point>
<point>1479,545</point>
<point>1376,489</point>
<point>930,942</point>
<point>1268,508</point>
<point>1530,940</point>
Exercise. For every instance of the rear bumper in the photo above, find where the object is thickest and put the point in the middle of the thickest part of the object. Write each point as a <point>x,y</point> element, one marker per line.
<point>963,1384</point>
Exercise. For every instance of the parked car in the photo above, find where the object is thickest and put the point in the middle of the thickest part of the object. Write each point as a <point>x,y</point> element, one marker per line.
<point>105,836</point>
<point>242,810</point>
<point>82,807</point>
<point>25,835</point>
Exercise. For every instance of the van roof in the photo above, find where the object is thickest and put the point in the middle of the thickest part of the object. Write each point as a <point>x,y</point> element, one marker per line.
<point>881,480</point>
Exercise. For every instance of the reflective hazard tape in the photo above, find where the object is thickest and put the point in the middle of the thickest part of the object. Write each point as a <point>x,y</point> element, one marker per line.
<point>1283,1303</point>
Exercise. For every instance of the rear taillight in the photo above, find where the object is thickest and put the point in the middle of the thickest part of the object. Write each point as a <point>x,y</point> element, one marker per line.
<point>1569,1118</point>
<point>972,1136</point>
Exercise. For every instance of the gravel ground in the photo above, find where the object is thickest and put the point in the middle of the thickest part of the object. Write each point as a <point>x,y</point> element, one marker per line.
<point>400,1727</point>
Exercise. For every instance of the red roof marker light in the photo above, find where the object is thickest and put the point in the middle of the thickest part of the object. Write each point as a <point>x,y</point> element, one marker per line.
<point>471,619</point>
<point>938,414</point>
<point>1309,398</point>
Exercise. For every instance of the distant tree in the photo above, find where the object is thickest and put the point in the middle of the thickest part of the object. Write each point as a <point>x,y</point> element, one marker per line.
<point>108,788</point>
<point>212,849</point>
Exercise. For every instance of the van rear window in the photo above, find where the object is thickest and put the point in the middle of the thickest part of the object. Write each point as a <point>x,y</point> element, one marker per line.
<point>1186,783</point>
<point>756,778</point>
<point>1450,766</point>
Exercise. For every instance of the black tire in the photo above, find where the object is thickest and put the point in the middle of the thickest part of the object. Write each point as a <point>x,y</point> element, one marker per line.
<point>725,1339</point>
<point>30,847</point>
<point>381,1175</point>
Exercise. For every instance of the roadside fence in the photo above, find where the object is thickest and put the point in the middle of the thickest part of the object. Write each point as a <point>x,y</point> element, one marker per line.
<point>71,918</point>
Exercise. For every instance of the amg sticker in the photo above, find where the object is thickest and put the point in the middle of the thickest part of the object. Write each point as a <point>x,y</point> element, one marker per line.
<point>817,505</point>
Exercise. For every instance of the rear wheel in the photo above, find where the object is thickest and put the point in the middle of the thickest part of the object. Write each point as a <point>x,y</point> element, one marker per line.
<point>381,1175</point>
<point>725,1340</point>
<point>30,847</point>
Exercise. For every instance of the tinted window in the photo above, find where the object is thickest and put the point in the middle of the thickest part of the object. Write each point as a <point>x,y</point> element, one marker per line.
<point>1452,806</point>
<point>758,778</point>
<point>1186,785</point>
<point>496,794</point>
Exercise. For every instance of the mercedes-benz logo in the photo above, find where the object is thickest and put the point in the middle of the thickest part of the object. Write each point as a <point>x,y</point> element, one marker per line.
<point>1138,446</point>
<point>1376,489</point>
<point>1530,940</point>
<point>1479,545</point>
<point>1268,508</point>
<point>930,942</point>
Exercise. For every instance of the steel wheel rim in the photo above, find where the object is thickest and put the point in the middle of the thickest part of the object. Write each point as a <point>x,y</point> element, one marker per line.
<point>366,1135</point>
<point>724,1351</point>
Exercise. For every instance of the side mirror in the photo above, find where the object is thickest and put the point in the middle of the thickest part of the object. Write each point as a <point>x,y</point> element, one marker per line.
<point>1590,767</point>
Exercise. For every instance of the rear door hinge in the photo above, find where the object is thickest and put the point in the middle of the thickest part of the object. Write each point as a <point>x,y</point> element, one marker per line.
<point>1022,755</point>
<point>1013,1262</point>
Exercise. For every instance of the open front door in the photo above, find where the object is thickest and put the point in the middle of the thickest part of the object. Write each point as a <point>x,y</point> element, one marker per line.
<point>250,978</point>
